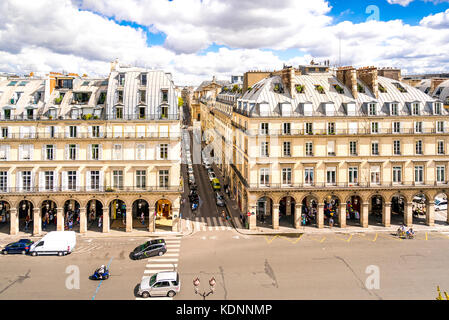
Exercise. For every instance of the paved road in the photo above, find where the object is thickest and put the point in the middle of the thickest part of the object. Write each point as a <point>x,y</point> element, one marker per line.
<point>245,267</point>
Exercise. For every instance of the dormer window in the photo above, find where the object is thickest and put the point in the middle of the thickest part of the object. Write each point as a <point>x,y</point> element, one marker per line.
<point>142,96</point>
<point>121,79</point>
<point>85,84</point>
<point>164,95</point>
<point>394,109</point>
<point>37,97</point>
<point>30,114</point>
<point>427,90</point>
<point>12,83</point>
<point>102,97</point>
<point>350,109</point>
<point>440,89</point>
<point>81,97</point>
<point>382,88</point>
<point>75,113</point>
<point>372,109</point>
<point>415,109</point>
<point>119,113</point>
<point>7,114</point>
<point>143,79</point>
<point>437,108</point>
<point>119,96</point>
<point>142,112</point>
<point>400,87</point>
<point>308,109</point>
<point>52,113</point>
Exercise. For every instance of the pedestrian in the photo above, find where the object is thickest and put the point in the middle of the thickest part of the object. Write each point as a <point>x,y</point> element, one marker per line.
<point>44,224</point>
<point>70,224</point>
<point>100,220</point>
<point>262,218</point>
<point>27,222</point>
<point>142,218</point>
<point>241,217</point>
<point>223,215</point>
<point>331,221</point>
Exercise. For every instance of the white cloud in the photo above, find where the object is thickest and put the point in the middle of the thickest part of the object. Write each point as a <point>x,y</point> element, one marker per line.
<point>37,35</point>
<point>405,3</point>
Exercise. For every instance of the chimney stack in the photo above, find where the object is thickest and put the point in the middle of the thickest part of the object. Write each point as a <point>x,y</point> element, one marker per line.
<point>348,76</point>
<point>434,83</point>
<point>391,73</point>
<point>368,75</point>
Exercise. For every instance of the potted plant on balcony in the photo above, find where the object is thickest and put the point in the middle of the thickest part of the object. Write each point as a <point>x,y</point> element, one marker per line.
<point>320,89</point>
<point>360,88</point>
<point>58,100</point>
<point>382,88</point>
<point>339,89</point>
<point>300,88</point>
<point>109,190</point>
<point>95,117</point>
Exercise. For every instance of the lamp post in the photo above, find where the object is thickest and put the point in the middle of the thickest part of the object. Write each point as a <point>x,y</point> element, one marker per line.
<point>196,284</point>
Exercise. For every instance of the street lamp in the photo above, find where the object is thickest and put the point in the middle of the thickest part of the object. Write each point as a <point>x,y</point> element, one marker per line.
<point>196,285</point>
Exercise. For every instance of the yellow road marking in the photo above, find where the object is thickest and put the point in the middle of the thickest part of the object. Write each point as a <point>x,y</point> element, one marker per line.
<point>272,239</point>
<point>346,240</point>
<point>375,238</point>
<point>426,236</point>
<point>322,240</point>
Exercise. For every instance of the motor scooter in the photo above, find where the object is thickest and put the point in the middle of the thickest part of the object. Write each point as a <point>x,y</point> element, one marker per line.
<point>100,276</point>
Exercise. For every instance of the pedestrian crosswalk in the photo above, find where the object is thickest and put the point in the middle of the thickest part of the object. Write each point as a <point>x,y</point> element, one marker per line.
<point>210,224</point>
<point>167,262</point>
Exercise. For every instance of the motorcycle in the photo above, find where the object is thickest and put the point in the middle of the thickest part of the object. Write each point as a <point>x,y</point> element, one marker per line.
<point>400,233</point>
<point>100,276</point>
<point>194,206</point>
<point>410,235</point>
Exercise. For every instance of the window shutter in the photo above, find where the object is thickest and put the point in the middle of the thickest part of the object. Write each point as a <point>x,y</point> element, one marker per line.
<point>100,129</point>
<point>43,152</point>
<point>90,131</point>
<point>9,132</point>
<point>100,152</point>
<point>19,181</point>
<point>78,181</point>
<point>8,150</point>
<point>55,182</point>
<point>56,131</point>
<point>31,152</point>
<point>77,152</point>
<point>20,152</point>
<point>88,180</point>
<point>33,132</point>
<point>64,177</point>
<point>67,131</point>
<point>101,180</point>
<point>66,152</point>
<point>33,181</point>
<point>158,153</point>
<point>89,152</point>
<point>21,132</point>
<point>41,181</point>
<point>48,132</point>
<point>78,131</point>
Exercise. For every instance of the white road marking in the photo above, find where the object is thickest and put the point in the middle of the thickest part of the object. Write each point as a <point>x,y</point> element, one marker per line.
<point>155,298</point>
<point>164,260</point>
<point>161,265</point>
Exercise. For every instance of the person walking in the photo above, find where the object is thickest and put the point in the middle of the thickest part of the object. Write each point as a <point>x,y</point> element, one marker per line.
<point>100,220</point>
<point>27,222</point>
<point>142,219</point>
<point>70,224</point>
<point>331,220</point>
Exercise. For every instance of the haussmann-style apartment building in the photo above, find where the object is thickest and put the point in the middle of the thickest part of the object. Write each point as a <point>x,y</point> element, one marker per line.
<point>302,145</point>
<point>74,147</point>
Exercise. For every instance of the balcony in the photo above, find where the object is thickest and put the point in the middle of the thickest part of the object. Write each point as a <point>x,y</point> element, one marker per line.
<point>107,135</point>
<point>89,190</point>
<point>341,132</point>
<point>345,185</point>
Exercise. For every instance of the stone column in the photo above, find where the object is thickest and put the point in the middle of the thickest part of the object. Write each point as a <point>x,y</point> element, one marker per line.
<point>364,216</point>
<point>342,215</point>
<point>151,219</point>
<point>129,218</point>
<point>408,215</point>
<point>386,215</point>
<point>83,220</point>
<point>430,214</point>
<point>252,219</point>
<point>105,220</point>
<point>320,217</point>
<point>13,221</point>
<point>275,216</point>
<point>37,221</point>
<point>60,219</point>
<point>176,225</point>
<point>297,217</point>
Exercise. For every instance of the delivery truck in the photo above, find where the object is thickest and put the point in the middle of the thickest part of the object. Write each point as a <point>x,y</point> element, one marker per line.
<point>58,243</point>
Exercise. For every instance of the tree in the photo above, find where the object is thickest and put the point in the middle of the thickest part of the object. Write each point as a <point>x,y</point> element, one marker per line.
<point>180,102</point>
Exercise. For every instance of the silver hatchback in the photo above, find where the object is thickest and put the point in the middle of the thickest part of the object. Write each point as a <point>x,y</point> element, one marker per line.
<point>162,284</point>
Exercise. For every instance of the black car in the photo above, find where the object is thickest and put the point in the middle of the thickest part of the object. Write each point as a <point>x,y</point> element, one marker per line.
<point>22,246</point>
<point>149,249</point>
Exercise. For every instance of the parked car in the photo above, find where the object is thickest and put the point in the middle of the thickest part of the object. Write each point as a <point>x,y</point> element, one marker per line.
<point>207,166</point>
<point>212,176</point>
<point>219,199</point>
<point>55,242</point>
<point>149,249</point>
<point>442,206</point>
<point>22,246</point>
<point>216,184</point>
<point>190,169</point>
<point>161,284</point>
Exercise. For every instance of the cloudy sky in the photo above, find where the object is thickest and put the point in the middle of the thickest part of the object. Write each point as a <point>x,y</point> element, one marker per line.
<point>195,39</point>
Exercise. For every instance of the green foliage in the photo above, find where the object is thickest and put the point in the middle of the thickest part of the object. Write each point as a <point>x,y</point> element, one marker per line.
<point>339,89</point>
<point>87,116</point>
<point>319,88</point>
<point>58,100</point>
<point>300,88</point>
<point>382,88</point>
<point>360,88</point>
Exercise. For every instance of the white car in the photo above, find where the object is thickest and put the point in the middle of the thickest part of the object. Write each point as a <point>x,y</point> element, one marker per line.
<point>190,169</point>
<point>442,206</point>
<point>212,176</point>
<point>207,166</point>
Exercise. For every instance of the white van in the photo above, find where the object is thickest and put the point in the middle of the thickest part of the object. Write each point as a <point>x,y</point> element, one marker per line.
<point>55,242</point>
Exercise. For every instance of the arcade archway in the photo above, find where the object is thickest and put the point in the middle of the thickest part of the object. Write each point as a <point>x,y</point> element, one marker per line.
<point>287,211</point>
<point>94,210</point>
<point>5,216</point>
<point>353,210</point>
<point>309,211</point>
<point>264,212</point>
<point>440,201</point>
<point>25,212</point>
<point>71,215</point>
<point>398,207</point>
<point>117,214</point>
<point>376,210</point>
<point>141,214</point>
<point>164,212</point>
<point>331,210</point>
<point>48,215</point>
<point>419,208</point>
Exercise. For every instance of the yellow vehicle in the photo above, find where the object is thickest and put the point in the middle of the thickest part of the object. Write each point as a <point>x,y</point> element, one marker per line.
<point>216,184</point>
